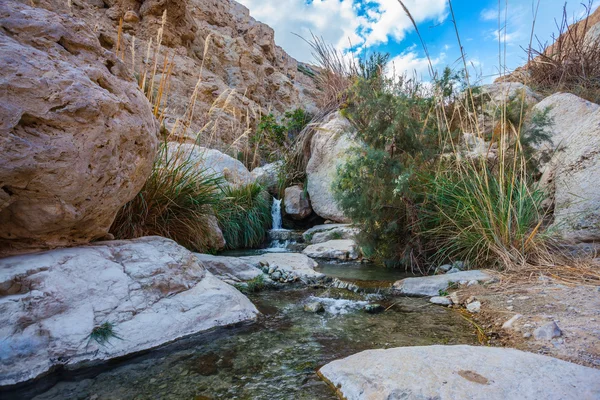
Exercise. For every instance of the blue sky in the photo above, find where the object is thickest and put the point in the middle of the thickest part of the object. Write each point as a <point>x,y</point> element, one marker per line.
<point>381,25</point>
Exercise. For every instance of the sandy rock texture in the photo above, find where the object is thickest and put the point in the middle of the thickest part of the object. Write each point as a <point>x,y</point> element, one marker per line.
<point>432,285</point>
<point>77,138</point>
<point>329,149</point>
<point>324,233</point>
<point>218,51</point>
<point>340,249</point>
<point>229,269</point>
<point>572,175</point>
<point>459,372</point>
<point>151,290</point>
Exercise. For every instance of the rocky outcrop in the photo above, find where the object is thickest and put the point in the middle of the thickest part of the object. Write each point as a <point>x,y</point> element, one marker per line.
<point>299,265</point>
<point>212,161</point>
<point>142,293</point>
<point>229,269</point>
<point>77,137</point>
<point>500,93</point>
<point>459,372</point>
<point>324,233</point>
<point>219,53</point>
<point>343,250</point>
<point>268,176</point>
<point>432,285</point>
<point>571,177</point>
<point>329,149</point>
<point>297,204</point>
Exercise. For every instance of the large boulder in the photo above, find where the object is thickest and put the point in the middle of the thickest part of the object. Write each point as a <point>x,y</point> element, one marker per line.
<point>212,161</point>
<point>229,269</point>
<point>343,250</point>
<point>268,176</point>
<point>500,93</point>
<point>77,137</point>
<point>147,291</point>
<point>432,285</point>
<point>459,372</point>
<point>572,175</point>
<point>296,202</point>
<point>329,149</point>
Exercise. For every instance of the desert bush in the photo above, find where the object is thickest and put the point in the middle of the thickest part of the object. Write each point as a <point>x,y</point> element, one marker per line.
<point>175,202</point>
<point>244,215</point>
<point>570,64</point>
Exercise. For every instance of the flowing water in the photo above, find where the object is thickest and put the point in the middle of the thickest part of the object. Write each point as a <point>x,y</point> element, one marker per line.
<point>276,214</point>
<point>275,358</point>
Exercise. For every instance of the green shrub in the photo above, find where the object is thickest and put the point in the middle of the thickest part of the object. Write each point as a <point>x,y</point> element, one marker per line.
<point>254,285</point>
<point>488,219</point>
<point>102,334</point>
<point>175,202</point>
<point>244,215</point>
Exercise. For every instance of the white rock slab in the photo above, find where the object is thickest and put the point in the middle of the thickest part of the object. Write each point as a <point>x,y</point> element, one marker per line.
<point>459,372</point>
<point>151,289</point>
<point>229,269</point>
<point>324,233</point>
<point>343,250</point>
<point>431,285</point>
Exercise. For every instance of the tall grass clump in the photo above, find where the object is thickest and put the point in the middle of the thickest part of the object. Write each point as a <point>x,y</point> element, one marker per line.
<point>244,215</point>
<point>176,202</point>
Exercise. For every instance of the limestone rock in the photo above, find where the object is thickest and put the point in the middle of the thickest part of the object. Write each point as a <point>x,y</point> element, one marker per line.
<point>297,204</point>
<point>502,92</point>
<point>268,176</point>
<point>324,233</point>
<point>547,332</point>
<point>77,137</point>
<point>212,161</point>
<point>441,301</point>
<point>229,269</point>
<point>296,263</point>
<point>508,325</point>
<point>218,50</point>
<point>469,372</point>
<point>343,250</point>
<point>474,307</point>
<point>432,285</point>
<point>571,177</point>
<point>151,290</point>
<point>329,149</point>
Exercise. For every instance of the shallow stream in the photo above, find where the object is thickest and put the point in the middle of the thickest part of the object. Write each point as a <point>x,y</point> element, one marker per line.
<point>275,358</point>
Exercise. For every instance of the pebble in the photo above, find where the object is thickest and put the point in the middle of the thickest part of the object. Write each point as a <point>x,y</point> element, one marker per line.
<point>547,332</point>
<point>510,308</point>
<point>472,283</point>
<point>527,335</point>
<point>474,307</point>
<point>314,307</point>
<point>509,324</point>
<point>523,298</point>
<point>442,301</point>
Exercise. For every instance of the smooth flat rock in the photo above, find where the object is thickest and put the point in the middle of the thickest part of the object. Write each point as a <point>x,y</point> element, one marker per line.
<point>324,233</point>
<point>299,264</point>
<point>431,285</point>
<point>229,269</point>
<point>459,372</point>
<point>151,290</point>
<point>343,250</point>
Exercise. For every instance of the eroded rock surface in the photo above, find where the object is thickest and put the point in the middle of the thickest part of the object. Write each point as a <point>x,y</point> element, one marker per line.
<point>229,269</point>
<point>77,137</point>
<point>151,290</point>
<point>300,265</point>
<point>461,372</point>
<point>572,175</point>
<point>329,149</point>
<point>324,233</point>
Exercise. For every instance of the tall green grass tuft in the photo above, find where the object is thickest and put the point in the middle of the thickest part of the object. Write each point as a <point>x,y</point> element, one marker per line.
<point>176,202</point>
<point>244,215</point>
<point>490,220</point>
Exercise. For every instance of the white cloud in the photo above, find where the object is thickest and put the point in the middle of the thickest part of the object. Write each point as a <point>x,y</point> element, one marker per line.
<point>362,23</point>
<point>410,63</point>
<point>489,14</point>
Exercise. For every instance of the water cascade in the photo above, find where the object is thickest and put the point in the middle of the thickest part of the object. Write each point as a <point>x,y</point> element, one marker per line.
<point>276,214</point>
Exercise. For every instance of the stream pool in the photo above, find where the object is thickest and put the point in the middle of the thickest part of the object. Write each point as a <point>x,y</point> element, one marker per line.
<point>274,358</point>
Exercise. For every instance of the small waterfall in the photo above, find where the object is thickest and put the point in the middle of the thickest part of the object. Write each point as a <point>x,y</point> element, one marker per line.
<point>276,214</point>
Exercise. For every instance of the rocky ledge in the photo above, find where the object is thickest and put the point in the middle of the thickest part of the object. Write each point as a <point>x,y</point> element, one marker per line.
<point>434,285</point>
<point>459,372</point>
<point>103,301</point>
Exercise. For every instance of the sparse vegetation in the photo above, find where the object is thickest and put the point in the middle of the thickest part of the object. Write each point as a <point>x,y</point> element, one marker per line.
<point>254,285</point>
<point>103,334</point>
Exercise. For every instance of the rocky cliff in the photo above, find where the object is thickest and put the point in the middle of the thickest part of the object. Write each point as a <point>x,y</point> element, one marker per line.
<point>215,48</point>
